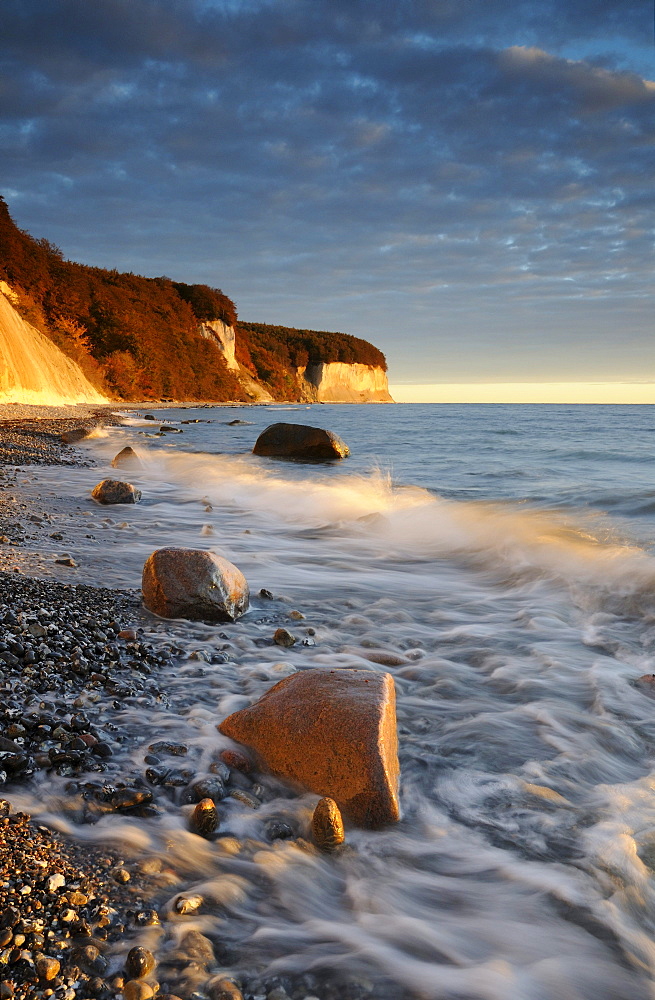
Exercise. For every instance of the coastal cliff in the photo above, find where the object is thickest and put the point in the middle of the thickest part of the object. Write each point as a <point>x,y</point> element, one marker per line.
<point>135,338</point>
<point>337,382</point>
<point>32,369</point>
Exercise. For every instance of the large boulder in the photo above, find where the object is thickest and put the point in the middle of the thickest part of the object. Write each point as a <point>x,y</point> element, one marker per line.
<point>332,732</point>
<point>195,584</point>
<point>311,444</point>
<point>126,458</point>
<point>115,491</point>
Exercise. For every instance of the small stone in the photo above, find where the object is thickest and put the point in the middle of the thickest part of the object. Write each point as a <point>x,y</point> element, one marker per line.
<point>55,882</point>
<point>129,798</point>
<point>237,760</point>
<point>66,561</point>
<point>188,904</point>
<point>163,746</point>
<point>277,830</point>
<point>134,989</point>
<point>128,633</point>
<point>47,967</point>
<point>224,989</point>
<point>139,962</point>
<point>120,875</point>
<point>284,638</point>
<point>204,818</point>
<point>242,796</point>
<point>207,788</point>
<point>327,825</point>
<point>296,615</point>
<point>266,594</point>
<point>113,491</point>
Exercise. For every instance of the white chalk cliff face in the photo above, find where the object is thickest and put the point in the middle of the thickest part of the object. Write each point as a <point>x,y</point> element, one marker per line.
<point>338,382</point>
<point>32,368</point>
<point>224,337</point>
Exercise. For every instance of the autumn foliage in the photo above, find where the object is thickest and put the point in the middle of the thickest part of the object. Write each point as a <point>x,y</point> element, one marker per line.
<point>138,338</point>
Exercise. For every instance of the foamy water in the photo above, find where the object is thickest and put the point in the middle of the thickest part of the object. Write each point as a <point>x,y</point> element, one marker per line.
<point>498,562</point>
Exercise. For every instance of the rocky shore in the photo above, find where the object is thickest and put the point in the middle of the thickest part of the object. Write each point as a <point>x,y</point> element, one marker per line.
<point>72,658</point>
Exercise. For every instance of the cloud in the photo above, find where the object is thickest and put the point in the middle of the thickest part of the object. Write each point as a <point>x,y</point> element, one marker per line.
<point>344,165</point>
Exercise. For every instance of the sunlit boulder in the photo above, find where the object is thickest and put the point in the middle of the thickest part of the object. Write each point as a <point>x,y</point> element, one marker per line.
<point>194,584</point>
<point>332,732</point>
<point>127,458</point>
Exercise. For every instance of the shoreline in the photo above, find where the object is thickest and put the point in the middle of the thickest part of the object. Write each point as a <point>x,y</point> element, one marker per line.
<point>72,657</point>
<point>91,899</point>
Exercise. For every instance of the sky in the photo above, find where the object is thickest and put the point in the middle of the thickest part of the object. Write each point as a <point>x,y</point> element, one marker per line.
<point>468,184</point>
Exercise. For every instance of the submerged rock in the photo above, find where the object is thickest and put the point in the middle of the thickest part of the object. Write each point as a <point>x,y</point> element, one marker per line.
<point>126,459</point>
<point>194,584</point>
<point>115,491</point>
<point>313,444</point>
<point>334,733</point>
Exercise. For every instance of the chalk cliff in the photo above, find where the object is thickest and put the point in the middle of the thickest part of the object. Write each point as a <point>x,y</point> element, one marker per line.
<point>338,382</point>
<point>224,338</point>
<point>32,368</point>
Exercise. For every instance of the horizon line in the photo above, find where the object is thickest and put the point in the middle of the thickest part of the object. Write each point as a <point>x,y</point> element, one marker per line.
<point>631,393</point>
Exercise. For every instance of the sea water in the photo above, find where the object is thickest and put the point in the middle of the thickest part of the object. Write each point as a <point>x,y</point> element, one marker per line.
<point>498,562</point>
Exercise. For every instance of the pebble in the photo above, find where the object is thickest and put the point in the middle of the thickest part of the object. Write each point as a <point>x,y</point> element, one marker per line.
<point>47,967</point>
<point>136,990</point>
<point>139,963</point>
<point>188,904</point>
<point>163,746</point>
<point>237,760</point>
<point>224,989</point>
<point>282,637</point>
<point>327,825</point>
<point>204,818</point>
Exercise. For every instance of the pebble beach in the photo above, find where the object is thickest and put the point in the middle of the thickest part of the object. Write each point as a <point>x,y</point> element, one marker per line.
<point>62,904</point>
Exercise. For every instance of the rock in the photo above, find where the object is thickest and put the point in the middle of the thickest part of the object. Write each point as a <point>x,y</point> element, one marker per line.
<point>134,989</point>
<point>127,458</point>
<point>332,732</point>
<point>204,818</point>
<point>139,963</point>
<point>311,444</point>
<point>224,989</point>
<point>284,638</point>
<point>148,416</point>
<point>278,830</point>
<point>75,434</point>
<point>164,746</point>
<point>327,825</point>
<point>115,491</point>
<point>194,584</point>
<point>47,967</point>
<point>188,904</point>
<point>237,760</point>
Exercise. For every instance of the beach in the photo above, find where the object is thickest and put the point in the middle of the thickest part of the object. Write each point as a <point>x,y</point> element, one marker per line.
<point>496,561</point>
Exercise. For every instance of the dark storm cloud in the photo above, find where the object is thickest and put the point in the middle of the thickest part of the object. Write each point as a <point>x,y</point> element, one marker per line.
<point>343,164</point>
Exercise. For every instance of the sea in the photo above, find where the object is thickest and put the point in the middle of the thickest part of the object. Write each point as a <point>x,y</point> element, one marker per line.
<point>499,562</point>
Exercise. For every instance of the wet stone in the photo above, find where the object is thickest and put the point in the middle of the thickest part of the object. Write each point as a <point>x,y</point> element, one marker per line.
<point>282,637</point>
<point>139,962</point>
<point>163,746</point>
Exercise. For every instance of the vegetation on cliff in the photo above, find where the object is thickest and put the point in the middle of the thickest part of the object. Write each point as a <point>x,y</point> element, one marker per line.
<point>138,338</point>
